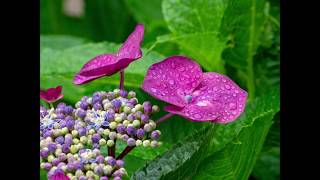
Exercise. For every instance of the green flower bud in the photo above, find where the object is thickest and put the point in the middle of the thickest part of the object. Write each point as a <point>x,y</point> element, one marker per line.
<point>87,167</point>
<point>50,158</point>
<point>42,165</point>
<point>64,168</point>
<point>126,123</point>
<point>89,142</point>
<point>155,109</point>
<point>91,131</point>
<point>73,178</point>
<point>106,132</point>
<point>49,139</point>
<point>83,139</point>
<point>56,132</point>
<point>136,123</point>
<point>93,165</point>
<point>138,142</point>
<point>119,136</point>
<point>116,92</point>
<point>102,142</point>
<point>113,125</point>
<point>64,130</point>
<point>74,133</point>
<point>131,94</point>
<point>89,174</point>
<point>80,146</point>
<point>146,143</point>
<point>107,169</point>
<point>153,124</point>
<point>138,107</point>
<point>127,109</point>
<point>96,177</point>
<point>76,141</point>
<point>133,110</point>
<point>56,125</point>
<point>58,152</point>
<point>73,149</point>
<point>110,143</point>
<point>118,119</point>
<point>69,155</point>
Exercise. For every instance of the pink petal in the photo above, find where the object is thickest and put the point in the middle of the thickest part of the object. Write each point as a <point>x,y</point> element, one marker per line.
<point>172,79</point>
<point>217,99</point>
<point>131,47</point>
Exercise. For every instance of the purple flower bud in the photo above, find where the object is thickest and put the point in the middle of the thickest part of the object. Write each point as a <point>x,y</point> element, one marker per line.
<point>68,118</point>
<point>84,98</point>
<point>60,116</point>
<point>62,157</point>
<point>98,170</point>
<point>70,124</point>
<point>65,148</point>
<point>120,163</point>
<point>61,164</point>
<point>123,93</point>
<point>68,110</point>
<point>52,147</point>
<point>82,178</point>
<point>100,159</point>
<point>121,129</point>
<point>43,111</point>
<point>129,104</point>
<point>59,110</point>
<point>71,167</point>
<point>97,98</point>
<point>68,140</point>
<point>131,142</point>
<point>62,124</point>
<point>131,117</point>
<point>82,132</point>
<point>61,105</point>
<point>44,153</point>
<point>131,130</point>
<point>97,106</point>
<point>138,114</point>
<point>95,146</point>
<point>81,113</point>
<point>59,140</point>
<point>112,161</point>
<point>110,95</point>
<point>155,135</point>
<point>133,101</point>
<point>117,178</point>
<point>125,137</point>
<point>110,116</point>
<point>78,165</point>
<point>147,107</point>
<point>103,178</point>
<point>55,161</point>
<point>116,103</point>
<point>84,105</point>
<point>95,138</point>
<point>47,166</point>
<point>144,118</point>
<point>140,133</point>
<point>47,133</point>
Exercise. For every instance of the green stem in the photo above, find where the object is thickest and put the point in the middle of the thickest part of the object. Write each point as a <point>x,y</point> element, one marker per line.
<point>51,105</point>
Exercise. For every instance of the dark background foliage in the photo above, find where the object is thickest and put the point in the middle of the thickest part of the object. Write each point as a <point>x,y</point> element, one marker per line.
<point>239,38</point>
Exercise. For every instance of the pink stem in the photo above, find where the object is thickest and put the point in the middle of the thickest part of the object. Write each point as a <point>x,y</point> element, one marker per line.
<point>121,80</point>
<point>163,118</point>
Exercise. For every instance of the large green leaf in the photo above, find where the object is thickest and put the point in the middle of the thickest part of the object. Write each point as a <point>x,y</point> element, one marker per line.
<point>195,26</point>
<point>237,159</point>
<point>181,161</point>
<point>242,24</point>
<point>60,41</point>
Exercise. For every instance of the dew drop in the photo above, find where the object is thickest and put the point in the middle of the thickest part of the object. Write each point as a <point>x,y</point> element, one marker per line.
<point>223,80</point>
<point>181,69</point>
<point>153,90</point>
<point>227,86</point>
<point>171,82</point>
<point>232,105</point>
<point>197,116</point>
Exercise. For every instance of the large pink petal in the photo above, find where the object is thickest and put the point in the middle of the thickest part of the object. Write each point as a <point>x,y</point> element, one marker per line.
<point>217,99</point>
<point>172,79</point>
<point>131,47</point>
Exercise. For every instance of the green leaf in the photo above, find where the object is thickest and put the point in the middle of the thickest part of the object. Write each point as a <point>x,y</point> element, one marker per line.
<point>179,162</point>
<point>195,26</point>
<point>60,41</point>
<point>59,66</point>
<point>242,24</point>
<point>236,160</point>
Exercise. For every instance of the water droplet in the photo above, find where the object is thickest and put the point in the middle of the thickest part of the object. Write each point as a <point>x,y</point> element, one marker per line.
<point>153,90</point>
<point>234,112</point>
<point>215,89</point>
<point>236,91</point>
<point>223,80</point>
<point>197,116</point>
<point>232,105</point>
<point>171,82</point>
<point>188,98</point>
<point>181,69</point>
<point>227,86</point>
<point>202,103</point>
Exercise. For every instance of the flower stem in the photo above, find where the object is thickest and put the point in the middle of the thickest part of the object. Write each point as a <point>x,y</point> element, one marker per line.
<point>51,105</point>
<point>112,150</point>
<point>163,118</point>
<point>125,152</point>
<point>121,86</point>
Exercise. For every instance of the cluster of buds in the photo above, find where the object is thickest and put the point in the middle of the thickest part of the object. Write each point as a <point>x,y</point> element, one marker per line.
<point>71,138</point>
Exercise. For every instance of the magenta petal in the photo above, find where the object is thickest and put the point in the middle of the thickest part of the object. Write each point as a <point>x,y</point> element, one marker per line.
<point>216,99</point>
<point>52,94</point>
<point>172,79</point>
<point>131,47</point>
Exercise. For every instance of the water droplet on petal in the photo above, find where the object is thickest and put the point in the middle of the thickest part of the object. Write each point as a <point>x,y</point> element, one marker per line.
<point>171,82</point>
<point>227,86</point>
<point>181,69</point>
<point>153,90</point>
<point>197,116</point>
<point>223,80</point>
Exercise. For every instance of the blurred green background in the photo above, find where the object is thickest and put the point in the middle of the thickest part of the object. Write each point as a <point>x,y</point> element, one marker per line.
<point>239,38</point>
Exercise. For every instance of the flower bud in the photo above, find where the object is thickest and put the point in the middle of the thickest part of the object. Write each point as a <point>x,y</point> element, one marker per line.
<point>146,143</point>
<point>110,143</point>
<point>138,142</point>
<point>155,109</point>
<point>102,142</point>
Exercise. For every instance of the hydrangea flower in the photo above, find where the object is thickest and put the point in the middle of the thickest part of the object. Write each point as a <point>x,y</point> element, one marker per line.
<point>52,94</point>
<point>195,95</point>
<point>108,64</point>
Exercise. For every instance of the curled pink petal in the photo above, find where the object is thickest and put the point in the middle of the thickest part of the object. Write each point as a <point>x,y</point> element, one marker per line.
<point>59,176</point>
<point>131,47</point>
<point>52,94</point>
<point>173,79</point>
<point>217,99</point>
<point>108,64</point>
